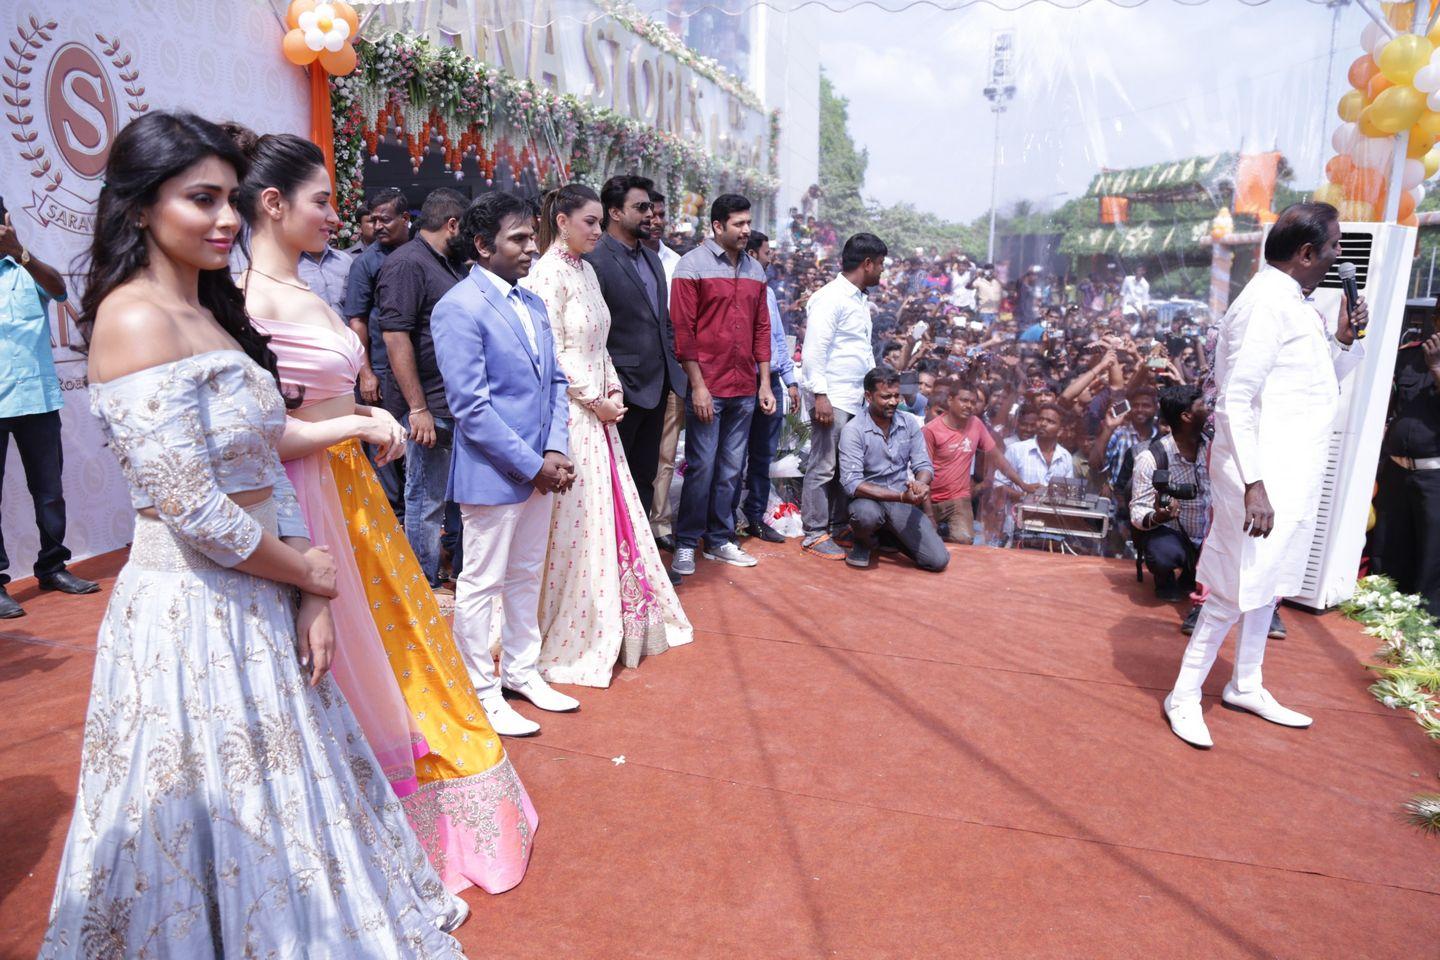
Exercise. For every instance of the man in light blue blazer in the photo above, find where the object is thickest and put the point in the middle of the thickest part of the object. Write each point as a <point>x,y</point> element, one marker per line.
<point>508,396</point>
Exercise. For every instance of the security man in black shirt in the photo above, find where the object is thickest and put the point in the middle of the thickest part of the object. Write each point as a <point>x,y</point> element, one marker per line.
<point>1406,541</point>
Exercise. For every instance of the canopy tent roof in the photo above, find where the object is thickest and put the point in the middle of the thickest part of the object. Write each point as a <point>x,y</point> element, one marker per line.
<point>1138,240</point>
<point>1193,178</point>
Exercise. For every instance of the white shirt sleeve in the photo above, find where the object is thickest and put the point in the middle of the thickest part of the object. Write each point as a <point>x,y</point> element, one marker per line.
<point>820,314</point>
<point>1247,350</point>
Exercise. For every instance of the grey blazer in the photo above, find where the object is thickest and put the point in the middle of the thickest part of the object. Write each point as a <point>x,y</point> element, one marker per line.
<point>641,345</point>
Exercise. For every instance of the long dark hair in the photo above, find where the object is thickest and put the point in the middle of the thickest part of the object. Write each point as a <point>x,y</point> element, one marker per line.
<point>150,150</point>
<point>566,200</point>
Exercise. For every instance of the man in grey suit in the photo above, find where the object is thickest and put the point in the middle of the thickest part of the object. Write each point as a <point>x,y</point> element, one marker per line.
<point>642,342</point>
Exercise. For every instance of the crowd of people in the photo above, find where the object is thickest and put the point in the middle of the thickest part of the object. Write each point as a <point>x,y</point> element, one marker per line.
<point>529,410</point>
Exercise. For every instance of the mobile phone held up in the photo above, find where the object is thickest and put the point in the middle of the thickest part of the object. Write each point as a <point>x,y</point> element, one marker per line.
<point>1120,408</point>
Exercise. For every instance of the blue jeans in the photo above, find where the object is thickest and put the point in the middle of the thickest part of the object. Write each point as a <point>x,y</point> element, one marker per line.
<point>427,470</point>
<point>714,454</point>
<point>754,492</point>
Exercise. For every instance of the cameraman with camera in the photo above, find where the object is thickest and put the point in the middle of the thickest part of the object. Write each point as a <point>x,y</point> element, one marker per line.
<point>1170,493</point>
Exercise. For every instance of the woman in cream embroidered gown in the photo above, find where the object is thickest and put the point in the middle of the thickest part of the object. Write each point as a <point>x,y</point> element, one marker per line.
<point>467,804</point>
<point>606,595</point>
<point>228,803</point>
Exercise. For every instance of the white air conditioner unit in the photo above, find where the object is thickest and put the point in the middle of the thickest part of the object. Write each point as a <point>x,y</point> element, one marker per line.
<point>1382,253</point>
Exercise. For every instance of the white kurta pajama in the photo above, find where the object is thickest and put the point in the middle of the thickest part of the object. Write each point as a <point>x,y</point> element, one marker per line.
<point>1277,374</point>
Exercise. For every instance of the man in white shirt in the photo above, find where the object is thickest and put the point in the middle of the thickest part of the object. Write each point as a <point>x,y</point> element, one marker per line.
<point>1135,294</point>
<point>1277,377</point>
<point>961,293</point>
<point>834,360</point>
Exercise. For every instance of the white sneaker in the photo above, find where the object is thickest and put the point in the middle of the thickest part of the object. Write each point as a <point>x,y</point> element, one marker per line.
<point>684,562</point>
<point>731,554</point>
<point>1188,723</point>
<point>453,918</point>
<point>537,691</point>
<point>505,720</point>
<point>1262,704</point>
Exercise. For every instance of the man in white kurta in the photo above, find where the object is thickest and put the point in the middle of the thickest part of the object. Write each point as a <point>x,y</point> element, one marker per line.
<point>1277,373</point>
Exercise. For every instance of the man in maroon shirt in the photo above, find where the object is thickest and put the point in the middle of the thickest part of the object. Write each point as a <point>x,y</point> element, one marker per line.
<point>722,339</point>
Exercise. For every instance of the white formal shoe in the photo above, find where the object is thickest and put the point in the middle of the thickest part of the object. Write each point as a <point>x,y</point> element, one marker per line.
<point>1263,705</point>
<point>731,554</point>
<point>1188,723</point>
<point>505,720</point>
<point>455,917</point>
<point>544,696</point>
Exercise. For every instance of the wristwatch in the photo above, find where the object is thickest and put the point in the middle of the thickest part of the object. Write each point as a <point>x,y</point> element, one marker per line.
<point>24,257</point>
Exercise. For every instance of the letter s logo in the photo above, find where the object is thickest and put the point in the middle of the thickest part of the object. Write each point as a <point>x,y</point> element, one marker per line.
<point>81,109</point>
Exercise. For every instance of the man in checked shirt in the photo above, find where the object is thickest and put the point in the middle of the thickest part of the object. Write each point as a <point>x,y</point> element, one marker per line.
<point>1171,528</point>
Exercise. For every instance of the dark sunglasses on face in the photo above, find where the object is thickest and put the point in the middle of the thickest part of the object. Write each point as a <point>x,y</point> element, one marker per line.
<point>645,206</point>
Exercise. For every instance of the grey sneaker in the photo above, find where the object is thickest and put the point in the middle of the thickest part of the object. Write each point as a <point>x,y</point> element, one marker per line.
<point>684,562</point>
<point>859,556</point>
<point>730,553</point>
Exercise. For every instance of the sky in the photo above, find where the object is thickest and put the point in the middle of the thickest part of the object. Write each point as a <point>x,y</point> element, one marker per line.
<point>1098,86</point>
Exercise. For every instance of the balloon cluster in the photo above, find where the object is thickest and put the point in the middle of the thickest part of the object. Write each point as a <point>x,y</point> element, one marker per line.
<point>324,31</point>
<point>1396,88</point>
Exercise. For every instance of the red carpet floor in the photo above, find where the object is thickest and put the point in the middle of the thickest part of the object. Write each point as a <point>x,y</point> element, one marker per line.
<point>891,764</point>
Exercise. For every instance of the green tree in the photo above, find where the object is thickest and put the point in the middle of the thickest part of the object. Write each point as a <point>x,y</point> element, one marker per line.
<point>842,178</point>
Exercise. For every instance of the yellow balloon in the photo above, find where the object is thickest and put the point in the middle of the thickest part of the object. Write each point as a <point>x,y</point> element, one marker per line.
<point>1419,143</point>
<point>1395,109</point>
<point>1432,163</point>
<point>1350,106</point>
<point>1366,123</point>
<point>1399,15</point>
<point>1356,211</point>
<point>1331,193</point>
<point>1429,124</point>
<point>1401,57</point>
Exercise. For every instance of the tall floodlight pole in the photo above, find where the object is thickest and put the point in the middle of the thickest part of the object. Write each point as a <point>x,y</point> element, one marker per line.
<point>999,91</point>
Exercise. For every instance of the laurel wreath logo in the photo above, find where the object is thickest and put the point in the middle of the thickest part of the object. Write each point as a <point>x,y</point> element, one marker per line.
<point>20,64</point>
<point>18,98</point>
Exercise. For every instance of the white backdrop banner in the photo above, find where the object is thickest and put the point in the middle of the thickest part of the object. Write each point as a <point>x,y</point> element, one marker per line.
<point>74,72</point>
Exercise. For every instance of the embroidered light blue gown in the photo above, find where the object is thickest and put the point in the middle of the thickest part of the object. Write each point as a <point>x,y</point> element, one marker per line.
<point>225,807</point>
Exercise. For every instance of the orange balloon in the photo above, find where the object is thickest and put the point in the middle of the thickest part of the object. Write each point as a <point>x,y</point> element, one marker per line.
<point>1361,71</point>
<point>295,50</point>
<point>1377,83</point>
<point>1364,184</point>
<point>1401,16</point>
<point>1410,221</point>
<point>347,13</point>
<point>297,7</point>
<point>1339,169</point>
<point>1407,205</point>
<point>340,63</point>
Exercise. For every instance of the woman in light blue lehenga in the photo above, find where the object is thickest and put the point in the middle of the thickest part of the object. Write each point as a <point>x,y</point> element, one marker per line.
<point>229,804</point>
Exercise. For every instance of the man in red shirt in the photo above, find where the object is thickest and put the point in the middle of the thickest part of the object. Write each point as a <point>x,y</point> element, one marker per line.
<point>722,339</point>
<point>952,440</point>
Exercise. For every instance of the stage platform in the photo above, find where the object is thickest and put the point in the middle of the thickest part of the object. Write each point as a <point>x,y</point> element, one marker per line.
<point>890,764</point>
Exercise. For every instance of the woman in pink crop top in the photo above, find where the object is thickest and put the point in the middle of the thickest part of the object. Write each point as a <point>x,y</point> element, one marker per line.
<point>464,798</point>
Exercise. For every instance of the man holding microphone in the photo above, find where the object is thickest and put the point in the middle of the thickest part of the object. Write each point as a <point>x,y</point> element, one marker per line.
<point>1277,373</point>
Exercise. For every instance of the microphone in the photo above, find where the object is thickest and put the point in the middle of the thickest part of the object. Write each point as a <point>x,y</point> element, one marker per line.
<point>1346,270</point>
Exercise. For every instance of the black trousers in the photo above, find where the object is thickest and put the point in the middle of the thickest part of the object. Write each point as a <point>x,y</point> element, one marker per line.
<point>1406,539</point>
<point>640,434</point>
<point>392,474</point>
<point>905,522</point>
<point>1167,550</point>
<point>37,437</point>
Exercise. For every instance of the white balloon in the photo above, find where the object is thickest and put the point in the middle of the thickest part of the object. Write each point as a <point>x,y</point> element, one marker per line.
<point>324,10</point>
<point>1371,35</point>
<point>1412,174</point>
<point>1344,137</point>
<point>1372,151</point>
<point>1433,102</point>
<point>1427,78</point>
<point>333,42</point>
<point>314,39</point>
<point>306,21</point>
<point>1417,193</point>
<point>342,27</point>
